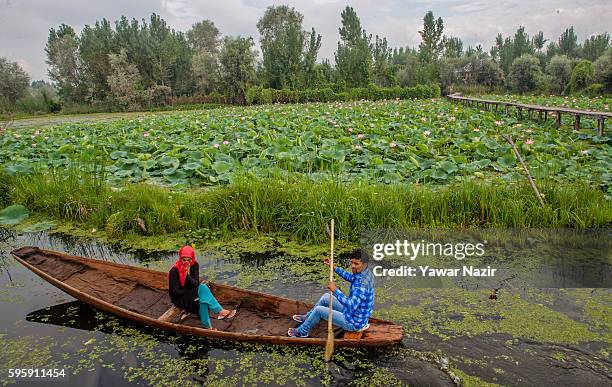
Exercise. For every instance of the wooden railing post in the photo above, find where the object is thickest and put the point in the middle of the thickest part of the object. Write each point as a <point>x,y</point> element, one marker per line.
<point>558,119</point>
<point>577,122</point>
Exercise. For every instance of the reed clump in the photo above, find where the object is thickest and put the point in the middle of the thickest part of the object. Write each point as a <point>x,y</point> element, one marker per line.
<point>300,206</point>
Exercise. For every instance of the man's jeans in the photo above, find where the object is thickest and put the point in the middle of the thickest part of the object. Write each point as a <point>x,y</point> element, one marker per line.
<point>321,311</point>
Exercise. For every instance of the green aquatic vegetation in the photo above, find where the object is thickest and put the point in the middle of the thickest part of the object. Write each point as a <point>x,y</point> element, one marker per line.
<point>448,313</point>
<point>425,141</point>
<point>597,311</point>
<point>602,103</point>
<point>28,352</point>
<point>378,377</point>
<point>472,381</point>
<point>298,209</point>
<point>12,215</point>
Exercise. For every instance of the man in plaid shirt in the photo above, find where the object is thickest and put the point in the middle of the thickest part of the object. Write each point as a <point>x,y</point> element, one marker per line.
<point>349,313</point>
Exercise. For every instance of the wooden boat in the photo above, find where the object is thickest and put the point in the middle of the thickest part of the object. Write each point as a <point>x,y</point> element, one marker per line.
<point>141,295</point>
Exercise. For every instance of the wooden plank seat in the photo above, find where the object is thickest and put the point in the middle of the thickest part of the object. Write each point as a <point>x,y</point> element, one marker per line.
<point>170,315</point>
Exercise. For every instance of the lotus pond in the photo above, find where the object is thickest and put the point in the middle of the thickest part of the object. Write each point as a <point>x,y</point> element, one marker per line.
<point>430,141</point>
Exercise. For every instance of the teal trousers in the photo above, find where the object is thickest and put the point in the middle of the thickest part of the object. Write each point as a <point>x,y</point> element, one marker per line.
<point>207,302</point>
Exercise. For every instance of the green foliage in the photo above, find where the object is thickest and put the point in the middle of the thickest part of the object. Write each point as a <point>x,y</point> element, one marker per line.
<point>354,54</point>
<point>204,37</point>
<point>560,71</point>
<point>13,214</point>
<point>237,61</point>
<point>593,90</point>
<point>568,43</point>
<point>468,72</point>
<point>603,71</point>
<point>95,45</point>
<point>507,50</point>
<point>288,205</point>
<point>431,38</point>
<point>259,95</point>
<point>13,80</point>
<point>289,52</point>
<point>595,46</point>
<point>385,141</point>
<point>525,73</point>
<point>383,72</point>
<point>453,47</point>
<point>124,82</point>
<point>582,76</point>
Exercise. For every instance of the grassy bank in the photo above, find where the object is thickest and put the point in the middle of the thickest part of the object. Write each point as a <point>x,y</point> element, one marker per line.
<point>300,207</point>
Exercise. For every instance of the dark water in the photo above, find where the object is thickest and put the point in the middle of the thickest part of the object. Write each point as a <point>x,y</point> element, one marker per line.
<point>525,337</point>
<point>42,326</point>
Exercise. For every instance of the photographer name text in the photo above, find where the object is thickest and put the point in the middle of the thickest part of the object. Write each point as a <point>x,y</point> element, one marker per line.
<point>428,271</point>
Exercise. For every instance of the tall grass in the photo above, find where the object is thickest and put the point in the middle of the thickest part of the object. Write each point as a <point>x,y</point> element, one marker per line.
<point>300,207</point>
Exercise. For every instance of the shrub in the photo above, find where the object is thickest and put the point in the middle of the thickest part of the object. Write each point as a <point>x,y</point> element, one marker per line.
<point>582,76</point>
<point>560,71</point>
<point>525,73</point>
<point>258,95</point>
<point>593,90</point>
<point>603,71</point>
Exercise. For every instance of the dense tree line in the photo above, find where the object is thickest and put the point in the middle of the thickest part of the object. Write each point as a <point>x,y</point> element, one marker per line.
<point>131,64</point>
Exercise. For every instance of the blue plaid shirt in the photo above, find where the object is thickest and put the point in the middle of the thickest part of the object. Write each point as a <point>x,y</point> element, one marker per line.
<point>359,304</point>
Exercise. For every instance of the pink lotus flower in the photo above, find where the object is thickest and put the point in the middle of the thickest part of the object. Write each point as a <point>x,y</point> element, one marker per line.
<point>426,133</point>
<point>392,144</point>
<point>397,114</point>
<point>226,142</point>
<point>529,142</point>
<point>476,129</point>
<point>358,147</point>
<point>146,134</point>
<point>46,138</point>
<point>216,145</point>
<point>498,123</point>
<point>37,133</point>
<point>584,152</point>
<point>360,136</point>
<point>350,130</point>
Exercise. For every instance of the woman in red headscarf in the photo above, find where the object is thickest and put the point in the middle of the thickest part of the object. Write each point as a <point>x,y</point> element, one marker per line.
<point>188,294</point>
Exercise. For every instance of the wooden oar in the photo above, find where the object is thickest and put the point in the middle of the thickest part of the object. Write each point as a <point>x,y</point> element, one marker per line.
<point>329,346</point>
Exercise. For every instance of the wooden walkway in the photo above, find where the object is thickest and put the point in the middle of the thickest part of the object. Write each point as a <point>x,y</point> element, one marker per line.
<point>543,111</point>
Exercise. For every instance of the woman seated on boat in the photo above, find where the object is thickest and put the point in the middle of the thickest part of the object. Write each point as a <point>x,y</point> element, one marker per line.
<point>349,313</point>
<point>188,294</point>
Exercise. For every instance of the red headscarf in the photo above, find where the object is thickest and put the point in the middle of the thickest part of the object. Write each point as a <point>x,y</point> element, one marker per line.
<point>183,267</point>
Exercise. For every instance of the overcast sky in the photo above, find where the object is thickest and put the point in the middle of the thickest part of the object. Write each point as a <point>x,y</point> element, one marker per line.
<point>25,24</point>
